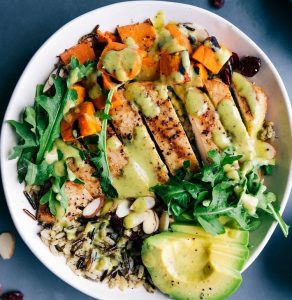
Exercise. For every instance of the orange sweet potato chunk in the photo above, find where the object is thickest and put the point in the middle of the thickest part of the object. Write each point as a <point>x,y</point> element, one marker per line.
<point>143,34</point>
<point>82,51</point>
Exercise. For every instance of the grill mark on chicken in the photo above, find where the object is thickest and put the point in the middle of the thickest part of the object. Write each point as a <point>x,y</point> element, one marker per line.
<point>203,125</point>
<point>169,135</point>
<point>117,157</point>
<point>125,119</point>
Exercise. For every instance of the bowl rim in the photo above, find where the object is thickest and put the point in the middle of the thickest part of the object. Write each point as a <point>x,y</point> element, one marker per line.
<point>134,3</point>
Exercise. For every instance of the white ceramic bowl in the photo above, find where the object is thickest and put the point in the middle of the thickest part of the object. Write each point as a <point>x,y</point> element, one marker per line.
<point>108,17</point>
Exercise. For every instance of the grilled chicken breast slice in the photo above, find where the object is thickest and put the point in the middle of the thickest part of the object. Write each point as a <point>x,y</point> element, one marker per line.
<point>207,128</point>
<point>116,154</point>
<point>164,125</point>
<point>78,198</point>
<point>125,118</point>
<point>129,126</point>
<point>44,215</point>
<point>230,117</point>
<point>85,173</point>
<point>252,102</point>
<point>245,144</point>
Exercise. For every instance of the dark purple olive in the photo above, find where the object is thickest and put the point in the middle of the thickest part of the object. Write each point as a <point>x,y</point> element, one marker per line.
<point>225,75</point>
<point>234,60</point>
<point>218,3</point>
<point>249,66</point>
<point>13,295</point>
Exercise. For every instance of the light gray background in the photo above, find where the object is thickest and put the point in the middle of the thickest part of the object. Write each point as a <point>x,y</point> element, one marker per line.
<point>26,24</point>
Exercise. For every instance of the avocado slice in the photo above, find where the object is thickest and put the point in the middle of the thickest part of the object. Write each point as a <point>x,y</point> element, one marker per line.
<point>231,235</point>
<point>189,267</point>
<point>236,253</point>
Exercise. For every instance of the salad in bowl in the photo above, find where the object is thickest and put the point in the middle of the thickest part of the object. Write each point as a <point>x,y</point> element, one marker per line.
<point>144,156</point>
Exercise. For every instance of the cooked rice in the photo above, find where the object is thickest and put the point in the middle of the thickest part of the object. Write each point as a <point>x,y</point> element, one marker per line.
<point>97,252</point>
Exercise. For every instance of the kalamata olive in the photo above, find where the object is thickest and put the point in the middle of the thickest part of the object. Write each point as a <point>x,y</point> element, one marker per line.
<point>225,75</point>
<point>218,3</point>
<point>13,295</point>
<point>249,66</point>
<point>234,60</point>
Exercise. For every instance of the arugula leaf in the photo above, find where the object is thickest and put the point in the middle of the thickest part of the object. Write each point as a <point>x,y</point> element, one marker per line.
<point>268,169</point>
<point>265,203</point>
<point>54,107</point>
<point>50,199</point>
<point>27,138</point>
<point>206,196</point>
<point>30,117</point>
<point>78,71</point>
<point>211,225</point>
<point>100,160</point>
<point>38,174</point>
<point>41,114</point>
<point>22,163</point>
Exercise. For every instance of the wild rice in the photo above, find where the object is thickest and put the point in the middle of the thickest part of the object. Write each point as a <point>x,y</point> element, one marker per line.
<point>95,251</point>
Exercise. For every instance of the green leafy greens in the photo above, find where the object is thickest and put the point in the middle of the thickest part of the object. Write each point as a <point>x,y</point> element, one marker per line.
<point>40,128</point>
<point>99,159</point>
<point>212,195</point>
<point>54,106</point>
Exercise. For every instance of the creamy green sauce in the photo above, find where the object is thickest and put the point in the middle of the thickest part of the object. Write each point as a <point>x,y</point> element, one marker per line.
<point>231,120</point>
<point>165,40</point>
<point>139,174</point>
<point>185,58</point>
<point>220,138</point>
<point>195,102</point>
<point>158,21</point>
<point>246,90</point>
<point>265,152</point>
<point>69,104</point>
<point>168,43</point>
<point>121,63</point>
<point>222,54</point>
<point>176,77</point>
<point>67,152</point>
<point>137,93</point>
<point>130,42</point>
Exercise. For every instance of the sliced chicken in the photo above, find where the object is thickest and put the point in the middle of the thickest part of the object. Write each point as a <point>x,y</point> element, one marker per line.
<point>125,119</point>
<point>129,126</point>
<point>85,173</point>
<point>184,120</point>
<point>252,102</point>
<point>116,154</point>
<point>230,117</point>
<point>44,215</point>
<point>206,125</point>
<point>247,145</point>
<point>165,126</point>
<point>78,199</point>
